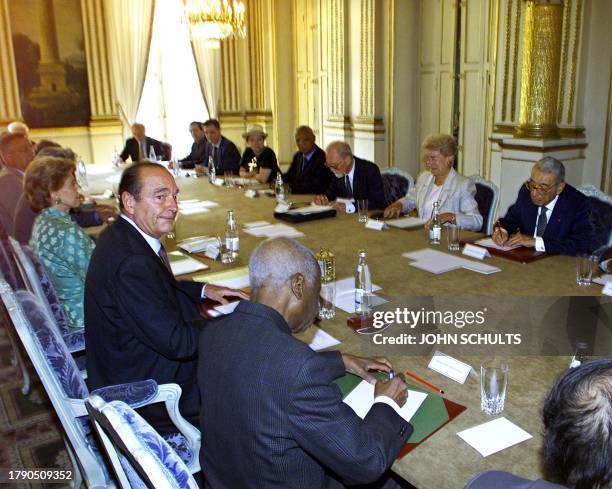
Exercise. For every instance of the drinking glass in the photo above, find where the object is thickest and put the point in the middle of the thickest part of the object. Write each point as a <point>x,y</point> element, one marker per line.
<point>327,309</point>
<point>362,209</point>
<point>229,179</point>
<point>493,384</point>
<point>584,270</point>
<point>453,237</point>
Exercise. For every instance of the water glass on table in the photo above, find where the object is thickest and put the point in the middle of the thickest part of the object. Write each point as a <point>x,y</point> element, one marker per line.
<point>453,237</point>
<point>327,309</point>
<point>362,209</point>
<point>493,385</point>
<point>229,179</point>
<point>584,270</point>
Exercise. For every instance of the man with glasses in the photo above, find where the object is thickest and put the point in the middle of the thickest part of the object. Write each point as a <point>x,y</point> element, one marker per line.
<point>355,179</point>
<point>548,215</point>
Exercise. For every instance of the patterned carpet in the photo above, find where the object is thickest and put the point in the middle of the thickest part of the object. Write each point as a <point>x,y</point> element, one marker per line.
<point>30,433</point>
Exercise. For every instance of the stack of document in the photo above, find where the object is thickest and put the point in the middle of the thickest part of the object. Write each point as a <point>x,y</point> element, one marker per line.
<point>309,209</point>
<point>273,231</point>
<point>407,222</point>
<point>182,264</point>
<point>361,400</point>
<point>345,295</point>
<point>196,206</point>
<point>198,244</point>
<point>437,262</point>
<point>237,278</point>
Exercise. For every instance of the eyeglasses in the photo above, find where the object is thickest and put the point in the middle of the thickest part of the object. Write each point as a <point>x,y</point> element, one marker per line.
<point>541,189</point>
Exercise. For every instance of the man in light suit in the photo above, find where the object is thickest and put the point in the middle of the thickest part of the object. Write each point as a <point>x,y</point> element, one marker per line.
<point>355,179</point>
<point>140,322</point>
<point>577,417</point>
<point>271,415</point>
<point>139,146</point>
<point>548,215</point>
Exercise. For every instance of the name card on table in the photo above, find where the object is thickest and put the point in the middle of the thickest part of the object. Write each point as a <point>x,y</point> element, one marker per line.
<point>375,224</point>
<point>250,193</point>
<point>450,367</point>
<point>475,251</point>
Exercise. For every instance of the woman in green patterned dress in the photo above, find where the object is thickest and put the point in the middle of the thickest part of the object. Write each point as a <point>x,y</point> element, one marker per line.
<point>64,249</point>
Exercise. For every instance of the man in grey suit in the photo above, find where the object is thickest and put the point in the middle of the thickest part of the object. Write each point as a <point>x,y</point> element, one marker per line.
<point>16,152</point>
<point>271,416</point>
<point>577,417</point>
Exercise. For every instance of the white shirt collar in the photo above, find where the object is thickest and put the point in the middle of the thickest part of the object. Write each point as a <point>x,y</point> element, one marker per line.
<point>551,205</point>
<point>154,243</point>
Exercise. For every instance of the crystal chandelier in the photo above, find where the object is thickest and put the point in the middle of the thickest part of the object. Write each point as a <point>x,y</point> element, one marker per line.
<point>213,20</point>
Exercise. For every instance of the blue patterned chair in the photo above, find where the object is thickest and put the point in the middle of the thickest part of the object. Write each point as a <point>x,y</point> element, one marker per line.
<point>140,457</point>
<point>38,282</point>
<point>396,184</point>
<point>9,272</point>
<point>67,391</point>
<point>487,198</point>
<point>601,216</point>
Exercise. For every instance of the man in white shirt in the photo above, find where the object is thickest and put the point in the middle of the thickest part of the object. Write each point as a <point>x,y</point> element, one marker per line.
<point>548,215</point>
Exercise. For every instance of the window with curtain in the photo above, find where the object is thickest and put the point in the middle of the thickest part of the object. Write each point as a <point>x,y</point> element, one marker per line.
<point>171,97</point>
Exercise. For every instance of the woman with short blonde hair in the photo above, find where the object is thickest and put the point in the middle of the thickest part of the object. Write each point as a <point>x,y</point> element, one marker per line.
<point>441,183</point>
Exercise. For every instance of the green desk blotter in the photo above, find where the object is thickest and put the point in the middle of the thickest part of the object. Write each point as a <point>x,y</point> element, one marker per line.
<point>434,413</point>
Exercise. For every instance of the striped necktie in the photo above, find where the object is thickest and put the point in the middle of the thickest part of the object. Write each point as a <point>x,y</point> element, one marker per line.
<point>542,221</point>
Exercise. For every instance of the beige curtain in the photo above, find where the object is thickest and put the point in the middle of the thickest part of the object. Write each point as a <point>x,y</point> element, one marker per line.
<point>129,26</point>
<point>208,64</point>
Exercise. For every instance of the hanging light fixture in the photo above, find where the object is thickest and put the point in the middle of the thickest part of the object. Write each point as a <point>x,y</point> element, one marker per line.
<point>214,20</point>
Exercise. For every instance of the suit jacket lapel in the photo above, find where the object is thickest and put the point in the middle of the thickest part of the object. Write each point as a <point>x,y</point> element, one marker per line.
<point>447,187</point>
<point>557,215</point>
<point>423,191</point>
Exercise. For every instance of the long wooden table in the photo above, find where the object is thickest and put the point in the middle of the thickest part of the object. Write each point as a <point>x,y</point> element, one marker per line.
<point>444,460</point>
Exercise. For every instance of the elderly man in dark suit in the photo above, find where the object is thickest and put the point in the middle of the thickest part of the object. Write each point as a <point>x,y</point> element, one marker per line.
<point>140,322</point>
<point>307,173</point>
<point>271,415</point>
<point>548,215</point>
<point>16,152</point>
<point>577,417</point>
<point>355,179</point>
<point>138,147</point>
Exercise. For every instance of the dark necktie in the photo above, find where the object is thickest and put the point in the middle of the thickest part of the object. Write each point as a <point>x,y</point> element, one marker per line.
<point>304,163</point>
<point>541,226</point>
<point>349,189</point>
<point>164,258</point>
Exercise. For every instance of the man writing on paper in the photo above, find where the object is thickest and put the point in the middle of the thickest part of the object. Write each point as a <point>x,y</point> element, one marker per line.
<point>271,415</point>
<point>140,322</point>
<point>355,179</point>
<point>548,215</point>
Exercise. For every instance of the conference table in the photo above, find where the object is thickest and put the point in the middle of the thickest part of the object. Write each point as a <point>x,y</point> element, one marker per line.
<point>536,293</point>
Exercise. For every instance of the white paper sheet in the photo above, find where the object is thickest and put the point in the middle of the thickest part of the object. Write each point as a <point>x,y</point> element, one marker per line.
<point>437,262</point>
<point>319,339</point>
<point>489,243</point>
<point>254,224</point>
<point>347,284</point>
<point>361,400</point>
<point>182,264</point>
<point>603,279</point>
<point>198,243</point>
<point>493,436</point>
<point>311,209</point>
<point>188,211</point>
<point>436,267</point>
<point>408,222</point>
<point>227,308</point>
<point>273,231</point>
<point>346,301</point>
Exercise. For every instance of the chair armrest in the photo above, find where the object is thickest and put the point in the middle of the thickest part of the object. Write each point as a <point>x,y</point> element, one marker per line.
<point>136,394</point>
<point>75,340</point>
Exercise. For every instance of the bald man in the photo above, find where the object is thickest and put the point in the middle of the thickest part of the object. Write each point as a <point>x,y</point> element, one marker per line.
<point>355,179</point>
<point>271,415</point>
<point>138,147</point>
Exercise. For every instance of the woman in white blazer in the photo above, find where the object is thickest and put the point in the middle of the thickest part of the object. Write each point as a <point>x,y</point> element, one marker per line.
<point>441,183</point>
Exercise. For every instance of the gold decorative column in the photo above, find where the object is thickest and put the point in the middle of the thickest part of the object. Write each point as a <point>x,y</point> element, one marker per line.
<point>540,70</point>
<point>336,54</point>
<point>10,109</point>
<point>101,97</point>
